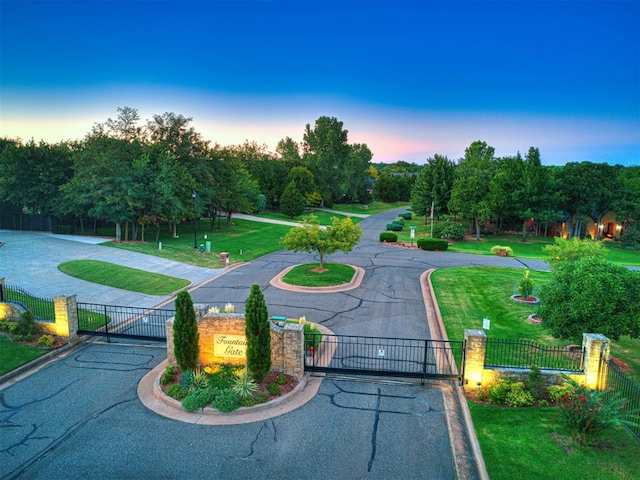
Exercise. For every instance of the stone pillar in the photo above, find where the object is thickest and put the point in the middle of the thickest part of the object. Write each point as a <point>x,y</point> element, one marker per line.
<point>475,349</point>
<point>66,316</point>
<point>2,291</point>
<point>171,354</point>
<point>596,350</point>
<point>294,349</point>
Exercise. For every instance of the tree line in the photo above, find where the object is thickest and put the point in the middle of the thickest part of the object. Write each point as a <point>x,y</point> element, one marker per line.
<point>146,175</point>
<point>511,191</point>
<point>164,172</point>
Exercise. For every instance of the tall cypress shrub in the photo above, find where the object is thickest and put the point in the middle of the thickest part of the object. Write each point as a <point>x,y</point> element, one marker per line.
<point>185,333</point>
<point>258,335</point>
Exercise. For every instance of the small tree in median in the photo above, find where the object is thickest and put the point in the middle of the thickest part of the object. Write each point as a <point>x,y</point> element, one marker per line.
<point>258,335</point>
<point>342,235</point>
<point>185,333</point>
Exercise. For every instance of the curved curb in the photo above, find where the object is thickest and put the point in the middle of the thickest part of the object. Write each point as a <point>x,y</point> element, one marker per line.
<point>152,397</point>
<point>519,299</point>
<point>354,283</point>
<point>455,400</point>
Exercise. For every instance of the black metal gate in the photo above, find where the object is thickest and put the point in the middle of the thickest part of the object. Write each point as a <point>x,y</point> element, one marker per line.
<point>379,356</point>
<point>125,322</point>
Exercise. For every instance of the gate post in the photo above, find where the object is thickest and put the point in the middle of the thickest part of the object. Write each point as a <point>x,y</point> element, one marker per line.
<point>66,316</point>
<point>475,350</point>
<point>596,351</point>
<point>294,349</point>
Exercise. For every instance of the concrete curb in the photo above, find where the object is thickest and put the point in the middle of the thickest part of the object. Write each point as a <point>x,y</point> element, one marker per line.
<point>152,397</point>
<point>462,433</point>
<point>354,283</point>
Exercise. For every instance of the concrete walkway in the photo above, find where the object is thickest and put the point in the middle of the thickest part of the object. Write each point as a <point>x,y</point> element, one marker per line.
<point>30,260</point>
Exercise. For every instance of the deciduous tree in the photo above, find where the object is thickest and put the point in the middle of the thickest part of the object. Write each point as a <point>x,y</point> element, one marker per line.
<point>342,235</point>
<point>591,295</point>
<point>470,196</point>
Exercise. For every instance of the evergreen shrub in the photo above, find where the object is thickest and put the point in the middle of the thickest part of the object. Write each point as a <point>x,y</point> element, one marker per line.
<point>432,244</point>
<point>388,237</point>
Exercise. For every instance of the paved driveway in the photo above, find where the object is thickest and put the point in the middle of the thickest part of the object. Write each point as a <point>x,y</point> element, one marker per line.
<point>30,260</point>
<point>80,418</point>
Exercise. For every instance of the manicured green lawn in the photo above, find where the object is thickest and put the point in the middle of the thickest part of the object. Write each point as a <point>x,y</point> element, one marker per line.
<point>371,208</point>
<point>467,295</point>
<point>532,248</point>
<point>244,241</point>
<point>13,355</point>
<point>305,276</point>
<point>323,217</point>
<point>126,278</point>
<point>525,443</point>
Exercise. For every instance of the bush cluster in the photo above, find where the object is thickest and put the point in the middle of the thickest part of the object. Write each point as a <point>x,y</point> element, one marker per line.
<point>447,228</point>
<point>24,329</point>
<point>506,391</point>
<point>587,413</point>
<point>405,215</point>
<point>224,387</point>
<point>388,237</point>
<point>432,244</point>
<point>46,341</point>
<point>395,226</point>
<point>502,251</point>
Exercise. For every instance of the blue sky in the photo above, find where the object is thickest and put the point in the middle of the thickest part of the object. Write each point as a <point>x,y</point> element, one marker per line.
<point>409,79</point>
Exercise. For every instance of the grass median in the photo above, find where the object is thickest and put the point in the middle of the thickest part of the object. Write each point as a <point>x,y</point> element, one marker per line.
<point>307,276</point>
<point>125,278</point>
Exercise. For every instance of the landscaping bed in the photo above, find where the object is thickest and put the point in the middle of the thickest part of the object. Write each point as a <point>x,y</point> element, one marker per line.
<point>213,386</point>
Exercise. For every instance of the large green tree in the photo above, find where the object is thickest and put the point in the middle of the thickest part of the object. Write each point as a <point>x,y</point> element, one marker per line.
<point>258,334</point>
<point>31,176</point>
<point>591,295</point>
<point>433,186</point>
<point>470,195</point>
<point>326,153</point>
<point>311,237</point>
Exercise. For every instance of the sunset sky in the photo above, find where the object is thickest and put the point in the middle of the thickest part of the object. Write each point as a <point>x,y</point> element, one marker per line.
<point>409,79</point>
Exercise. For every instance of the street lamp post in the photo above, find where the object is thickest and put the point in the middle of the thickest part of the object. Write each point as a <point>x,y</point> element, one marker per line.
<point>195,231</point>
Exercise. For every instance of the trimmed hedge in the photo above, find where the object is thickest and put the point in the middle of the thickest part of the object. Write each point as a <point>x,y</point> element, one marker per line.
<point>432,244</point>
<point>405,215</point>
<point>395,227</point>
<point>388,237</point>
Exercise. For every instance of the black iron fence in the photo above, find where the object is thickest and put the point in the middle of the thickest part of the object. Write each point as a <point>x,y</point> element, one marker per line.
<point>42,308</point>
<point>526,354</point>
<point>127,322</point>
<point>619,382</point>
<point>402,357</point>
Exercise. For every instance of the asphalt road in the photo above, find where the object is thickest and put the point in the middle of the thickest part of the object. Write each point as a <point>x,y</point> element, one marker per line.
<point>80,417</point>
